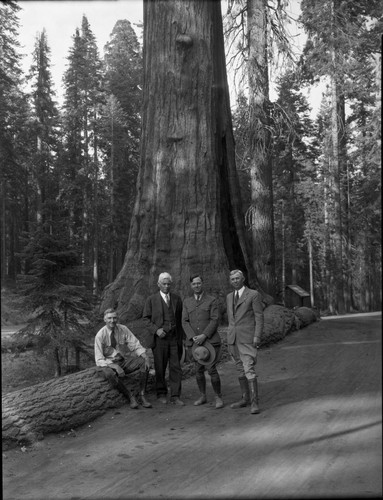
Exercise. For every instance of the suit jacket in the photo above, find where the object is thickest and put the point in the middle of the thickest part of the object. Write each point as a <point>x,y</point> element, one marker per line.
<point>246,319</point>
<point>153,316</point>
<point>201,317</point>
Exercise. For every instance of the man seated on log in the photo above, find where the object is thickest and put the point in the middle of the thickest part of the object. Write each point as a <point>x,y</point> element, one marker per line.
<point>110,346</point>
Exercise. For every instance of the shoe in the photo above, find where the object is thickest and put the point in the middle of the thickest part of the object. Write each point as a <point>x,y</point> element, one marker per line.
<point>201,400</point>
<point>254,397</point>
<point>218,402</point>
<point>162,399</point>
<point>254,408</point>
<point>144,402</point>
<point>177,401</point>
<point>133,403</point>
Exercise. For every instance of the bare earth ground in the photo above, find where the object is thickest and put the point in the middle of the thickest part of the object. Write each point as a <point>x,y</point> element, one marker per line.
<point>319,433</point>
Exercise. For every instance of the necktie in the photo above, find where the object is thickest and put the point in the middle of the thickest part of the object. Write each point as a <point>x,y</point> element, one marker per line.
<point>236,298</point>
<point>167,299</point>
<point>113,342</point>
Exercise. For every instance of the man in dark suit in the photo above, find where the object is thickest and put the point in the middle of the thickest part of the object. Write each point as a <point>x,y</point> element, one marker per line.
<point>245,316</point>
<point>163,317</point>
<point>200,322</point>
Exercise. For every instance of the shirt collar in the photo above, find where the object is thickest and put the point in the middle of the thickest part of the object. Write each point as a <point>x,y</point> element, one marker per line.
<point>240,291</point>
<point>163,295</point>
<point>196,296</point>
<point>109,330</point>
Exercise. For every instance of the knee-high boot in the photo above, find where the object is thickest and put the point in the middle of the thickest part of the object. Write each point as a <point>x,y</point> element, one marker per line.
<point>143,381</point>
<point>201,382</point>
<point>244,384</point>
<point>216,384</point>
<point>254,396</point>
<point>125,391</point>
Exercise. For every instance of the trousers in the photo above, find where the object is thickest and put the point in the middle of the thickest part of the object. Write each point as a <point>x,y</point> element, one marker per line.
<point>245,359</point>
<point>167,351</point>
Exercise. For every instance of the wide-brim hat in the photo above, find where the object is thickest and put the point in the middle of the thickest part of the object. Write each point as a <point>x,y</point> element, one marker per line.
<point>204,354</point>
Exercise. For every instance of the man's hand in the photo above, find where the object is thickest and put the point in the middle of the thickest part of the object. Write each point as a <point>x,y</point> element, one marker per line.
<point>256,342</point>
<point>161,333</point>
<point>147,362</point>
<point>199,339</point>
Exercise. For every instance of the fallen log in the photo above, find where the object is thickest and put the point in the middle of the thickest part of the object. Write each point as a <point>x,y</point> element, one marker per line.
<point>306,315</point>
<point>279,322</point>
<point>57,405</point>
<point>61,404</point>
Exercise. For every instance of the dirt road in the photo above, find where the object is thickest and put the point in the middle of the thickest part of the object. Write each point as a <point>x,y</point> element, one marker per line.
<point>319,433</point>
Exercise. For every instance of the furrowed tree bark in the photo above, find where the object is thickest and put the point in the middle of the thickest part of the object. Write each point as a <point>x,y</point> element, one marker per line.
<point>60,404</point>
<point>260,213</point>
<point>187,216</point>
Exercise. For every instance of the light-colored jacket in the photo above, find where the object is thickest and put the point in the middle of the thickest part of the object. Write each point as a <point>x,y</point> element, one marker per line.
<point>246,319</point>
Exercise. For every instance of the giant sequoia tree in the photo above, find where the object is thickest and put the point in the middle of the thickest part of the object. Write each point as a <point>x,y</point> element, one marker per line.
<point>187,215</point>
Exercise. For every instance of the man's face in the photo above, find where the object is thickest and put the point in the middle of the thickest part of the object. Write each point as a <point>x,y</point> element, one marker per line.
<point>237,281</point>
<point>111,320</point>
<point>164,285</point>
<point>197,285</point>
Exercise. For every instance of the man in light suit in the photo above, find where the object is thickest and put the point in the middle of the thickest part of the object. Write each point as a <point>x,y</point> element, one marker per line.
<point>162,316</point>
<point>245,316</point>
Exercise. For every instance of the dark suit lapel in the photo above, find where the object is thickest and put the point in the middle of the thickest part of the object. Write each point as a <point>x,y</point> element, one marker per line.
<point>172,302</point>
<point>160,304</point>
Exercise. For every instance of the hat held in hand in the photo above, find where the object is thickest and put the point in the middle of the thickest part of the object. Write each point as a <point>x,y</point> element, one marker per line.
<point>204,354</point>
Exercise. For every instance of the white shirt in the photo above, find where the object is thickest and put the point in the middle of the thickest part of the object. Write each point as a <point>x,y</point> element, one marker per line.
<point>164,295</point>
<point>105,354</point>
<point>240,292</point>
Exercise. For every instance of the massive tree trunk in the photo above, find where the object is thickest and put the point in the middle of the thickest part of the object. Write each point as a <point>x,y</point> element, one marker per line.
<point>261,210</point>
<point>337,165</point>
<point>187,216</point>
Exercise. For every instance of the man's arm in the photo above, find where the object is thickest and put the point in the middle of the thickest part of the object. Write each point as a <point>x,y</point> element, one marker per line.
<point>147,316</point>
<point>178,313</point>
<point>132,342</point>
<point>99,354</point>
<point>259,318</point>
<point>213,321</point>
<point>189,332</point>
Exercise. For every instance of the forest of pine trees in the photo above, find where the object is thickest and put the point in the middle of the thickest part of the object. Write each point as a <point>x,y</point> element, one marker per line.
<point>70,171</point>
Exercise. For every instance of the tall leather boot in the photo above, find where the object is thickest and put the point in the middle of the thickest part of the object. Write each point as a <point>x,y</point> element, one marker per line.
<point>216,384</point>
<point>254,396</point>
<point>129,396</point>
<point>244,384</point>
<point>201,382</point>
<point>143,381</point>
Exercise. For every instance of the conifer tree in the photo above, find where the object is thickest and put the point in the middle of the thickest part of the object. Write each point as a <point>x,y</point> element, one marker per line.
<point>293,159</point>
<point>14,115</point>
<point>43,130</point>
<point>83,99</point>
<point>122,127</point>
<point>51,294</point>
<point>342,44</point>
